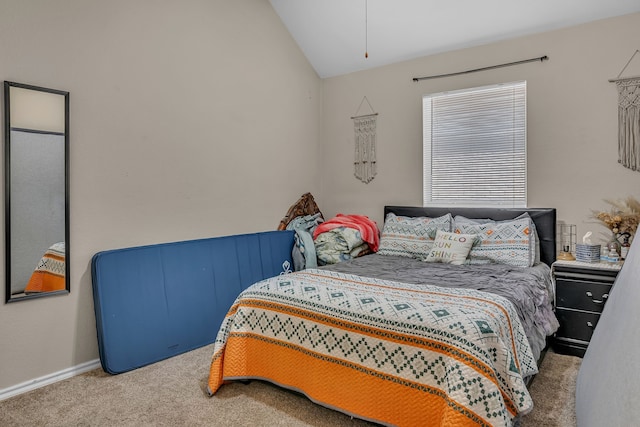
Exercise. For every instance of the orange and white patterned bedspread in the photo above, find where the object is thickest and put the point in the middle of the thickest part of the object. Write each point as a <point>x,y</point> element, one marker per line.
<point>389,352</point>
<point>49,274</point>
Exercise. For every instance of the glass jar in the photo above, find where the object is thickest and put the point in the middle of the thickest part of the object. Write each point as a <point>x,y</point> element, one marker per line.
<point>624,250</point>
<point>614,245</point>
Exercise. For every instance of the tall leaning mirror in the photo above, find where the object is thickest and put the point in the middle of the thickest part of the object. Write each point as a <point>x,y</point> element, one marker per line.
<point>36,126</point>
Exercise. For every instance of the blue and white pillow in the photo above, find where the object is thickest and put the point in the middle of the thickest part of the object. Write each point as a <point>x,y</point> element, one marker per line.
<point>510,242</point>
<point>411,236</point>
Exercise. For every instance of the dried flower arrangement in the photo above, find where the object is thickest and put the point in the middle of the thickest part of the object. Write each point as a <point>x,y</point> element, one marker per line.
<point>622,218</point>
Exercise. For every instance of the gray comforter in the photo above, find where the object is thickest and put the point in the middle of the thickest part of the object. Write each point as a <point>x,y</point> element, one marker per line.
<point>530,290</point>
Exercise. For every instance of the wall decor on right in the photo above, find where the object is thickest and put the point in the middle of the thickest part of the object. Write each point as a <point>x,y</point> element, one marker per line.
<point>628,118</point>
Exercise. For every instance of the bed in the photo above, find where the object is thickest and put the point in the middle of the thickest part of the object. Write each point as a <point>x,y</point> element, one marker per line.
<point>396,340</point>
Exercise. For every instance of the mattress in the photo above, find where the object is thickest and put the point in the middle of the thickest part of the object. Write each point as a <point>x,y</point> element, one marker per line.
<point>157,301</point>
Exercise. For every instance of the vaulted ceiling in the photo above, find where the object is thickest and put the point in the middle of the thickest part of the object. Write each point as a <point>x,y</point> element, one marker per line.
<point>335,34</point>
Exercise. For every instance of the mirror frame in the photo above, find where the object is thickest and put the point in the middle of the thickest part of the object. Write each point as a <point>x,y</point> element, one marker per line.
<point>7,189</point>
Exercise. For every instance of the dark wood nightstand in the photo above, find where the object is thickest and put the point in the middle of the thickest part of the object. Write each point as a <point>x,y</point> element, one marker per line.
<point>582,290</point>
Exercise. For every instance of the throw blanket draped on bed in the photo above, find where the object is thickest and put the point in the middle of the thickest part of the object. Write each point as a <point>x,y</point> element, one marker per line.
<point>385,351</point>
<point>367,228</point>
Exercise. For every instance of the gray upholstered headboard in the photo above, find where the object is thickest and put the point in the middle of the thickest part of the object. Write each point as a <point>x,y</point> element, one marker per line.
<point>544,219</point>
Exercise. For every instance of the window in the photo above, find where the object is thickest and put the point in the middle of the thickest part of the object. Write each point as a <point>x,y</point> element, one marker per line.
<point>474,146</point>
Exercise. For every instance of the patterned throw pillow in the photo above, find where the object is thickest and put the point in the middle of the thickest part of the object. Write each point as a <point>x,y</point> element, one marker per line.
<point>409,236</point>
<point>451,248</point>
<point>535,242</point>
<point>505,242</point>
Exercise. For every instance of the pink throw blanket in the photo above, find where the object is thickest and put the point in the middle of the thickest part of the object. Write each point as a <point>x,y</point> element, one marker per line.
<point>367,228</point>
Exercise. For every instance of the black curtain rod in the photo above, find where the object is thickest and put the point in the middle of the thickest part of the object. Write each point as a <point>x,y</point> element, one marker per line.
<point>542,58</point>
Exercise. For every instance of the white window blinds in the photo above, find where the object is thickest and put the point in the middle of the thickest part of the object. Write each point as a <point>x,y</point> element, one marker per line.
<point>474,147</point>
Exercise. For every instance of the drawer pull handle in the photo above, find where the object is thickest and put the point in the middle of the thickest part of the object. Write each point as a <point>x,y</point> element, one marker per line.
<point>598,301</point>
<point>589,324</point>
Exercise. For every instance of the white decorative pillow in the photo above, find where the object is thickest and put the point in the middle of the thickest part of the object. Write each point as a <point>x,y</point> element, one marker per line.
<point>411,236</point>
<point>451,248</point>
<point>506,242</point>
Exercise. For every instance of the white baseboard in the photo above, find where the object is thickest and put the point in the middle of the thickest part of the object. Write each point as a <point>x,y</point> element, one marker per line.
<point>49,379</point>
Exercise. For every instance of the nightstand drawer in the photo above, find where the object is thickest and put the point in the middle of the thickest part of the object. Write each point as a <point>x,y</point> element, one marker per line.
<point>578,325</point>
<point>593,275</point>
<point>581,294</point>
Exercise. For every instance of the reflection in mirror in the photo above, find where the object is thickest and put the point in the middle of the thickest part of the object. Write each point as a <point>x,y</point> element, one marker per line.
<point>36,191</point>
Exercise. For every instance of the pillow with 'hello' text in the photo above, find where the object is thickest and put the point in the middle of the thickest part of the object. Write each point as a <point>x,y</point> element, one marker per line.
<point>451,248</point>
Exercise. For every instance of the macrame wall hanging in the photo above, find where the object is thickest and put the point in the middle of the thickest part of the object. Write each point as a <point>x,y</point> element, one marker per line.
<point>628,118</point>
<point>364,126</point>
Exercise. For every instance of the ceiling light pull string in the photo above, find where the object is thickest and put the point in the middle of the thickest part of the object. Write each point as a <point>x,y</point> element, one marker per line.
<point>366,28</point>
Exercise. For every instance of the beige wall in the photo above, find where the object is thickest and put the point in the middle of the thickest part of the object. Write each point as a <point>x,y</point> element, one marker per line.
<point>188,120</point>
<point>572,120</point>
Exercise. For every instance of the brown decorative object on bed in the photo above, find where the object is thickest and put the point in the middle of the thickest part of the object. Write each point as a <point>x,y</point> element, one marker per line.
<point>306,205</point>
<point>375,340</point>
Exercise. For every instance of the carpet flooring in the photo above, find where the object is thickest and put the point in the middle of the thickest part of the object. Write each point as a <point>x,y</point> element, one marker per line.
<point>172,393</point>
